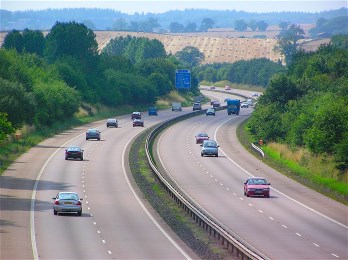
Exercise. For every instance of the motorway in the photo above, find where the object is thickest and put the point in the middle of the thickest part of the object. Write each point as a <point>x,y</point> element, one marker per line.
<point>116,222</point>
<point>294,223</point>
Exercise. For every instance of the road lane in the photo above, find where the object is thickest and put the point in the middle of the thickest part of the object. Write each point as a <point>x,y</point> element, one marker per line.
<point>280,227</point>
<point>113,224</point>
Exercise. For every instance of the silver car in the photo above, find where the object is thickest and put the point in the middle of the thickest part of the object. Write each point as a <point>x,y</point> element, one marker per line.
<point>67,202</point>
<point>210,147</point>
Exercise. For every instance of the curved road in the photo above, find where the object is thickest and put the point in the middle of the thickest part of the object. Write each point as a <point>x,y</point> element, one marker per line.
<point>116,222</point>
<point>294,223</point>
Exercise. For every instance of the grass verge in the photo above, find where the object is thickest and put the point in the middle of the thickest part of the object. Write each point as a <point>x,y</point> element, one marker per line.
<point>195,237</point>
<point>311,176</point>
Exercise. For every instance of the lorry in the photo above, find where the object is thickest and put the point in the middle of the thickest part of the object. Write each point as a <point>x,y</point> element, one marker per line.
<point>233,106</point>
<point>176,106</point>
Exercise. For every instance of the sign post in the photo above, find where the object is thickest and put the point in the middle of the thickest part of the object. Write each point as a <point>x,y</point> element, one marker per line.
<point>182,79</point>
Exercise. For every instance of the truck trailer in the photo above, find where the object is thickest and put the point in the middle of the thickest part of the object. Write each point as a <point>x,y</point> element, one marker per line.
<point>233,106</point>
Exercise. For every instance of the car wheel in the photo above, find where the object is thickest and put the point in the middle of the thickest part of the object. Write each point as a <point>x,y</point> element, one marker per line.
<point>66,158</point>
<point>244,193</point>
<point>216,155</point>
<point>98,139</point>
<point>81,158</point>
<point>79,213</point>
<point>202,155</point>
<point>247,194</point>
<point>55,212</point>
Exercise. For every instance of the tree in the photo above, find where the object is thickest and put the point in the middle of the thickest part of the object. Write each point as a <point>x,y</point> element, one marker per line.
<point>253,25</point>
<point>190,56</point>
<point>262,25</point>
<point>16,102</point>
<point>72,39</point>
<point>13,40</point>
<point>287,42</point>
<point>176,27</point>
<point>191,27</point>
<point>240,25</point>
<point>283,25</point>
<point>33,42</point>
<point>206,24</point>
<point>120,24</point>
<point>5,126</point>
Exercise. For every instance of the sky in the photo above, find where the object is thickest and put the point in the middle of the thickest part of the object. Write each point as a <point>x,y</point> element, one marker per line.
<point>144,6</point>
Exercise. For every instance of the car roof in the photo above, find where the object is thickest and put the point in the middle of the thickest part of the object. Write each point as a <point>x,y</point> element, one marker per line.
<point>210,141</point>
<point>112,119</point>
<point>67,192</point>
<point>92,129</point>
<point>136,113</point>
<point>74,147</point>
<point>202,134</point>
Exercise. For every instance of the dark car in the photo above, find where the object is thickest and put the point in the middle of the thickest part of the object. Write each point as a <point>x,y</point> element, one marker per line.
<point>136,115</point>
<point>210,112</point>
<point>216,104</point>
<point>93,134</point>
<point>138,122</point>
<point>111,122</point>
<point>74,152</point>
<point>153,111</point>
<point>201,137</point>
<point>256,186</point>
<point>210,147</point>
<point>197,106</point>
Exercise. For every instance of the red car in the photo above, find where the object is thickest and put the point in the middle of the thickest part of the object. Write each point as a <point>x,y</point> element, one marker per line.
<point>256,186</point>
<point>201,137</point>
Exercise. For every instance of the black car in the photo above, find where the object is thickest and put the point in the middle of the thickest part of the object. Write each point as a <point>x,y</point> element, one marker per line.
<point>138,122</point>
<point>93,134</point>
<point>74,152</point>
<point>111,122</point>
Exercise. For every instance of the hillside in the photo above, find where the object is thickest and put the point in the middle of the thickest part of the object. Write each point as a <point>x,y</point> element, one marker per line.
<point>218,46</point>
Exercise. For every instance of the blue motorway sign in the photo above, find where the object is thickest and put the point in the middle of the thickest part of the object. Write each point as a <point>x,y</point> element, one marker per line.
<point>183,79</point>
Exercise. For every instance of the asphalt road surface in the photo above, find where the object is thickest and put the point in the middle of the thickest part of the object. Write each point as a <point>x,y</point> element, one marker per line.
<point>116,222</point>
<point>294,223</point>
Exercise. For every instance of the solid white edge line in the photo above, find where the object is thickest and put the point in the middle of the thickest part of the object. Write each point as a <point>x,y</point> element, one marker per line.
<point>32,202</point>
<point>145,209</point>
<point>286,196</point>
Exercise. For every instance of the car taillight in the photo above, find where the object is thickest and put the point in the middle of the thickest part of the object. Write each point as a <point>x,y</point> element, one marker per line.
<point>57,202</point>
<point>78,203</point>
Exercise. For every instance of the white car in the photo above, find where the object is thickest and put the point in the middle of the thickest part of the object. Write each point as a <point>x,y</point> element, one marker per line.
<point>67,202</point>
<point>244,104</point>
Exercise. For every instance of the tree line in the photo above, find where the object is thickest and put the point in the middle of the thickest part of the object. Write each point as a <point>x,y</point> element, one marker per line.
<point>307,105</point>
<point>45,79</point>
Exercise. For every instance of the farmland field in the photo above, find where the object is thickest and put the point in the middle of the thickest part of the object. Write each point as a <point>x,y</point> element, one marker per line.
<point>220,45</point>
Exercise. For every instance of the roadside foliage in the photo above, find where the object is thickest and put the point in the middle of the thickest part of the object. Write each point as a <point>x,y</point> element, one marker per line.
<point>308,105</point>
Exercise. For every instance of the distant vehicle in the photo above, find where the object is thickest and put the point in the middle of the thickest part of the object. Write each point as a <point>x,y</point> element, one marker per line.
<point>233,106</point>
<point>210,147</point>
<point>227,99</point>
<point>153,111</point>
<point>201,137</point>
<point>136,115</point>
<point>256,186</point>
<point>67,202</point>
<point>255,94</point>
<point>216,104</point>
<point>210,112</point>
<point>250,102</point>
<point>196,106</point>
<point>138,122</point>
<point>213,101</point>
<point>74,152</point>
<point>212,87</point>
<point>227,88</point>
<point>111,122</point>
<point>244,104</point>
<point>176,106</point>
<point>93,134</point>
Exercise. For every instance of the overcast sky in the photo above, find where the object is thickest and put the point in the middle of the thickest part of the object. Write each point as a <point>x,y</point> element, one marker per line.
<point>141,6</point>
